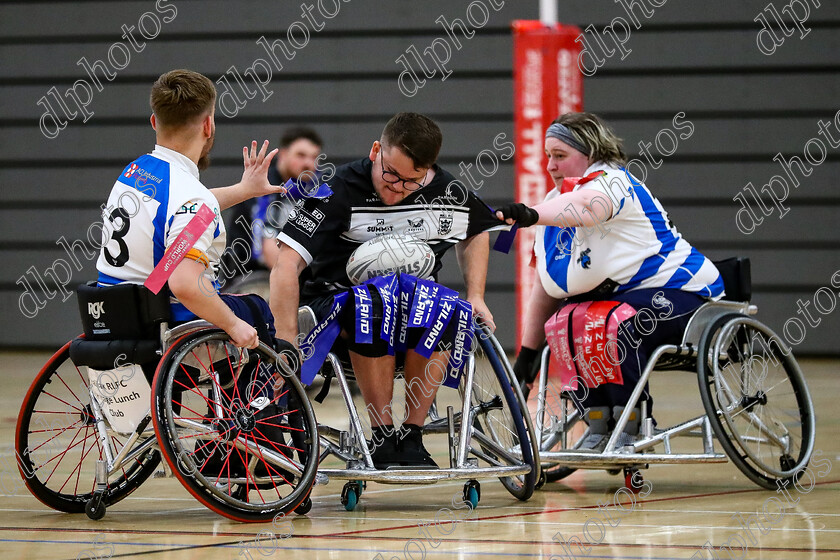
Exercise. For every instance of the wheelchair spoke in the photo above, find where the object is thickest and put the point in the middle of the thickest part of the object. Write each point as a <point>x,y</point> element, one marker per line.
<point>275,444</point>
<point>78,467</point>
<point>495,448</point>
<point>269,467</point>
<point>63,454</point>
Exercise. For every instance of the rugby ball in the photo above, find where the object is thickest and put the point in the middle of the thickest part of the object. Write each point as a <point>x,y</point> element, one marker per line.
<point>390,253</point>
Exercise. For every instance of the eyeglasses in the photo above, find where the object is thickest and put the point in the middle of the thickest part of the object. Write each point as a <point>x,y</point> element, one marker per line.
<point>393,178</point>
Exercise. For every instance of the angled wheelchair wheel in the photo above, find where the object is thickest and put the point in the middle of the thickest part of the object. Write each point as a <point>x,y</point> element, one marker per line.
<point>57,443</point>
<point>502,426</point>
<point>242,447</point>
<point>756,399</point>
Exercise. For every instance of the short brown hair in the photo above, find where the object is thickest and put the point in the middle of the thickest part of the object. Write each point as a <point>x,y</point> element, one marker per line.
<point>416,135</point>
<point>596,135</point>
<point>180,96</point>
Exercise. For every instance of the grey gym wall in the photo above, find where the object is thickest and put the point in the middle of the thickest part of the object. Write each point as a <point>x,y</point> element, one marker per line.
<point>699,58</point>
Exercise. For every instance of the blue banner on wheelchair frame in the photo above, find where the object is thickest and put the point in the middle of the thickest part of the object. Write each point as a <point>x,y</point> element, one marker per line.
<point>406,301</point>
<point>319,342</point>
<point>363,315</point>
<point>388,287</point>
<point>406,294</point>
<point>426,296</point>
<point>443,314</point>
<point>463,346</point>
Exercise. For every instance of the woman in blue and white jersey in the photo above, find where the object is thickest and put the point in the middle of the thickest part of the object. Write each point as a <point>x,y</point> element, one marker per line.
<point>603,237</point>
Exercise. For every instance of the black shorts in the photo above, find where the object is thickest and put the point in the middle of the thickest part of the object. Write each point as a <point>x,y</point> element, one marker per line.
<point>321,306</point>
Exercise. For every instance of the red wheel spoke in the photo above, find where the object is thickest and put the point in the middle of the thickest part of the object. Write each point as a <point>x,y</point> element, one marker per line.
<point>278,397</point>
<point>248,477</point>
<point>188,408</point>
<point>70,427</point>
<point>269,466</point>
<point>61,400</point>
<point>68,388</point>
<point>274,444</point>
<point>207,399</point>
<point>78,468</point>
<point>63,454</point>
<point>276,415</point>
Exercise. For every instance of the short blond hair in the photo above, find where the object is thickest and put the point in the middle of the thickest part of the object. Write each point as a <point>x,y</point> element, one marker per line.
<point>591,131</point>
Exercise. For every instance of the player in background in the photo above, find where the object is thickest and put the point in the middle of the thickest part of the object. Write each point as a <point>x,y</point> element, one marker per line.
<point>397,188</point>
<point>298,160</point>
<point>605,239</point>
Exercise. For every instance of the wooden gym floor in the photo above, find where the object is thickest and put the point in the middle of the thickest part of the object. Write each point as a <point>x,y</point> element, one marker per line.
<point>686,507</point>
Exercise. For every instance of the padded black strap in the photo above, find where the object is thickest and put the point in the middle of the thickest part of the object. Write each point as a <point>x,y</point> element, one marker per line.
<point>325,389</point>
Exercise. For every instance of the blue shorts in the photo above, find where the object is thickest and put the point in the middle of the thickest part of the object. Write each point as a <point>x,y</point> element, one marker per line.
<point>257,317</point>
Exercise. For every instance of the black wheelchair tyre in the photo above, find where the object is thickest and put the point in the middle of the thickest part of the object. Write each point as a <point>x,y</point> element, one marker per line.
<point>65,480</point>
<point>225,466</point>
<point>517,423</point>
<point>742,409</point>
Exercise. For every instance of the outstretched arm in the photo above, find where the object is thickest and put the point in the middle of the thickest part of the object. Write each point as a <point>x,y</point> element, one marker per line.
<point>583,207</point>
<point>473,254</point>
<point>254,179</point>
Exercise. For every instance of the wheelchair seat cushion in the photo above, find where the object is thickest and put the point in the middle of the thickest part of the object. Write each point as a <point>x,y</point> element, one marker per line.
<point>108,354</point>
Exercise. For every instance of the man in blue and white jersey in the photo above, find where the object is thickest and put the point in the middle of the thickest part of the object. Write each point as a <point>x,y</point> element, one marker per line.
<point>158,194</point>
<point>605,238</point>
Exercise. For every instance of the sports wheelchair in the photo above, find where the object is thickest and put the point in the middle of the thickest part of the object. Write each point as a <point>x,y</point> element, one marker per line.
<point>755,397</point>
<point>233,425</point>
<point>488,430</point>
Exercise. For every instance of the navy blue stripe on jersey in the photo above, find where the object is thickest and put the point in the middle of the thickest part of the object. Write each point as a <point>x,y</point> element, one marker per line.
<point>651,265</point>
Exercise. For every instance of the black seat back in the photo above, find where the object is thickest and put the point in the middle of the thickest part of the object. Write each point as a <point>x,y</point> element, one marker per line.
<point>123,311</point>
<point>737,280</point>
<point>121,325</point>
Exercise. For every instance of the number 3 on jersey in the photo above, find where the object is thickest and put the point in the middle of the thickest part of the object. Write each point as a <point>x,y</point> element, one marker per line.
<point>122,255</point>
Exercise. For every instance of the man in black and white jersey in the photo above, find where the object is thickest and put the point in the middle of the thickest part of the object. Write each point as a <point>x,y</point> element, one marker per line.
<point>396,189</point>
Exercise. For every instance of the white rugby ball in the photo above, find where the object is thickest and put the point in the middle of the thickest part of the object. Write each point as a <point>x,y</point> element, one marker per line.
<point>390,253</point>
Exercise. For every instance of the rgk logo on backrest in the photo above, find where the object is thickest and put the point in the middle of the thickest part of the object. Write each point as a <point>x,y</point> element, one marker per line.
<point>96,309</point>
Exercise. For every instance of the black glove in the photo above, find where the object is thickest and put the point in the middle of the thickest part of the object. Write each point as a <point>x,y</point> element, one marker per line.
<point>289,351</point>
<point>525,368</point>
<point>522,214</point>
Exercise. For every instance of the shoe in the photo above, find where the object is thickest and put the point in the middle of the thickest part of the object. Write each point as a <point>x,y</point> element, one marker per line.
<point>631,430</point>
<point>596,441</point>
<point>412,451</point>
<point>383,447</point>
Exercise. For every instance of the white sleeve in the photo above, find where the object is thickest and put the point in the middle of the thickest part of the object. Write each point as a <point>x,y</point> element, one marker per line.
<point>184,213</point>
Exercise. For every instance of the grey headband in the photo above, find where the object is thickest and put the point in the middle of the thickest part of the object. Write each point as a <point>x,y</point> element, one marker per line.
<point>562,133</point>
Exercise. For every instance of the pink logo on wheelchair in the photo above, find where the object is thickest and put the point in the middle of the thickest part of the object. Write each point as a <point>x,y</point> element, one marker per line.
<point>183,243</point>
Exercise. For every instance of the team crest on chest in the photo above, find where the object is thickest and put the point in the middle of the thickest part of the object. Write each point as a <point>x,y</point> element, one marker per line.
<point>584,259</point>
<point>445,223</point>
